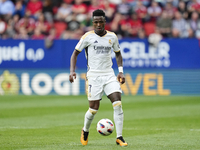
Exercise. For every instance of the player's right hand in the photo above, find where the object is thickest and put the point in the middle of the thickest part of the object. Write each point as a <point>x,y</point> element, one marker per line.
<point>72,76</point>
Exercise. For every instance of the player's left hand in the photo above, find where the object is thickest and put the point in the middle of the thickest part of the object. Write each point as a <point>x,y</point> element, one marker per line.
<point>121,78</point>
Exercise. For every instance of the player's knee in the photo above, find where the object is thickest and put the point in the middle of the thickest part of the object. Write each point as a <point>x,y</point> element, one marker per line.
<point>93,111</point>
<point>117,104</point>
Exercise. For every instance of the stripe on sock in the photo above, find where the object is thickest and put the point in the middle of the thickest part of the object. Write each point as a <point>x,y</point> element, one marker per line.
<point>116,103</point>
<point>93,111</point>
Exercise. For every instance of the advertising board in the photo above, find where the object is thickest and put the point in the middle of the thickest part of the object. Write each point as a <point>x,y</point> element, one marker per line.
<point>170,54</point>
<point>138,82</point>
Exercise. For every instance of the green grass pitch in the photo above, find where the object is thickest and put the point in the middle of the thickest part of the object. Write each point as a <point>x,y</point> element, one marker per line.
<point>55,123</point>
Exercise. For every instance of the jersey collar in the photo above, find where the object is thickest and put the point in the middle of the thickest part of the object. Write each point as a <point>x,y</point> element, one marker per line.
<point>101,35</point>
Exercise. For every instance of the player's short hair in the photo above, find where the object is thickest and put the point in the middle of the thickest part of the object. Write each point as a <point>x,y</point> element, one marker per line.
<point>98,12</point>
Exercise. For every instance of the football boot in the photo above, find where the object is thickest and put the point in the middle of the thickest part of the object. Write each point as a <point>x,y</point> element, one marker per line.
<point>120,141</point>
<point>84,137</point>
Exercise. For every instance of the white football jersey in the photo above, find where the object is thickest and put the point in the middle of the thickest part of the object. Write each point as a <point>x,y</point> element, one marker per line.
<point>98,52</point>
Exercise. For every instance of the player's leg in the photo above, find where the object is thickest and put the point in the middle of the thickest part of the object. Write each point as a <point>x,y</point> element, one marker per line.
<point>89,116</point>
<point>118,116</point>
<point>113,92</point>
<point>94,92</point>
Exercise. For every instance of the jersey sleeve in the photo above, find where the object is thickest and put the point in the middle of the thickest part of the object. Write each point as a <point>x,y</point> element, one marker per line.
<point>81,44</point>
<point>116,47</point>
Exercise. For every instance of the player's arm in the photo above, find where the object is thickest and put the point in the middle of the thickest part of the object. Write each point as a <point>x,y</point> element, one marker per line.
<point>119,60</point>
<point>73,61</point>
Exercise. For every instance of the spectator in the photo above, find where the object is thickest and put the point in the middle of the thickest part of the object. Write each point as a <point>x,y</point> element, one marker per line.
<point>56,3</point>
<point>47,10</point>
<point>87,24</point>
<point>37,34</point>
<point>146,2</point>
<point>20,8</point>
<point>27,23</point>
<point>173,2</point>
<point>170,9</point>
<point>131,26</point>
<point>186,1</point>
<point>164,24</point>
<point>141,11</point>
<point>154,10</point>
<point>10,31</point>
<point>133,3</point>
<point>73,25</point>
<point>74,30</point>
<point>93,6</point>
<point>2,26</point>
<point>64,12</point>
<point>52,34</point>
<point>183,9</point>
<point>50,38</point>
<point>25,1</point>
<point>34,8</point>
<point>124,8</point>
<point>194,24</point>
<point>15,20</point>
<point>80,9</point>
<point>43,25</point>
<point>124,24</point>
<point>109,9</point>
<point>193,5</point>
<point>141,34</point>
<point>7,9</point>
<point>180,28</point>
<point>22,34</point>
<point>115,25</point>
<point>135,25</point>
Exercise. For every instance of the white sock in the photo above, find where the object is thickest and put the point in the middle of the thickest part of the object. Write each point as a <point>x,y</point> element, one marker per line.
<point>118,117</point>
<point>89,116</point>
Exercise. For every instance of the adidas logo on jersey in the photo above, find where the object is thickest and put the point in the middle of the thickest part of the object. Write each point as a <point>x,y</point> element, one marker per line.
<point>96,41</point>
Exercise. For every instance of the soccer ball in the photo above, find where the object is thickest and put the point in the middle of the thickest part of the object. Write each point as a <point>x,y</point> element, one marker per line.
<point>105,127</point>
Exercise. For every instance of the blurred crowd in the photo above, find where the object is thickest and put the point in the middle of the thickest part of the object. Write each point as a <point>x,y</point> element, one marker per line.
<point>70,19</point>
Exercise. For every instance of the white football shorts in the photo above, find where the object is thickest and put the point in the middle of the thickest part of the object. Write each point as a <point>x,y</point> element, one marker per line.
<point>97,85</point>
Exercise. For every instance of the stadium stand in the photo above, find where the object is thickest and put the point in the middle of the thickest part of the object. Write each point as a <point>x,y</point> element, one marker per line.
<point>58,13</point>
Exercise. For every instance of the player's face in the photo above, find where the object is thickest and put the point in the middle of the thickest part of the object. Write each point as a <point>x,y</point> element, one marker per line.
<point>99,24</point>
